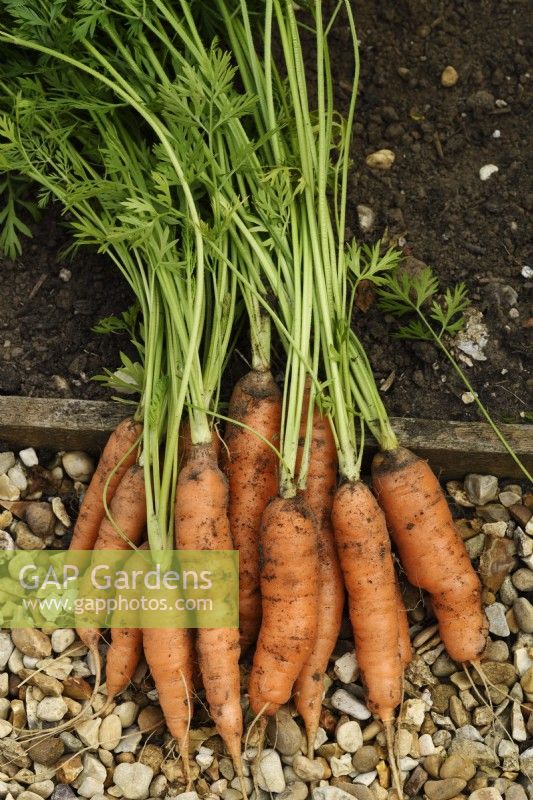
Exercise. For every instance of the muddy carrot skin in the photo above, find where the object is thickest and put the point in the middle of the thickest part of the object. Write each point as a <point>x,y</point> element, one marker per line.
<point>123,656</point>
<point>289,589</point>
<point>318,495</point>
<point>252,470</point>
<point>431,550</point>
<point>364,552</point>
<point>92,510</point>
<point>201,520</point>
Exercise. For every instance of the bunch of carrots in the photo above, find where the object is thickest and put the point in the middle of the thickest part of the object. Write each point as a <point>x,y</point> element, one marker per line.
<point>199,164</point>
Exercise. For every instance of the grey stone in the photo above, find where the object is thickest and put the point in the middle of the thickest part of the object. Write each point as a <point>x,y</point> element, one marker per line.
<point>481,488</point>
<point>523,611</point>
<point>496,617</point>
<point>133,779</point>
<point>523,579</point>
<point>284,734</point>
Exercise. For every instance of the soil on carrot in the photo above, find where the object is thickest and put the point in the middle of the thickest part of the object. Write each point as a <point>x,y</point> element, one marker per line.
<point>432,199</point>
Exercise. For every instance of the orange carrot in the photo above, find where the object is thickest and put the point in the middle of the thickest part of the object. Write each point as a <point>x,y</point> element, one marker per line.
<point>365,555</point>
<point>289,590</point>
<point>201,523</point>
<point>251,467</point>
<point>128,511</point>
<point>406,649</point>
<point>318,494</point>
<point>431,550</point>
<point>123,656</point>
<point>185,441</point>
<point>169,654</point>
<point>120,450</point>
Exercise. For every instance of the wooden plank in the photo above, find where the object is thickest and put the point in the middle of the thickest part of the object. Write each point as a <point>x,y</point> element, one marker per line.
<point>453,448</point>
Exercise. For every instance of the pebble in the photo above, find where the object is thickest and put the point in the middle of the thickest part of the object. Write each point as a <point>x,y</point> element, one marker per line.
<point>93,768</point>
<point>381,159</point>
<point>151,719</point>
<point>5,728</point>
<point>345,668</point>
<point>425,745</point>
<point>25,539</point>
<point>29,457</point>
<point>487,170</point>
<point>60,511</point>
<point>444,789</point>
<point>6,541</point>
<point>27,795</point>
<point>477,752</point>
<point>32,642</point>
<point>527,681</point>
<point>365,759</point>
<point>523,611</point>
<point>481,488</point>
<point>43,788</point>
<point>366,218</point>
<point>6,648</point>
<point>8,490</point>
<point>127,713</point>
<point>297,790</point>
<point>523,580</point>
<point>414,783</point>
<point>449,76</point>
<point>412,713</point>
<point>88,732</point>
<point>61,639</point>
<point>468,398</point>
<point>349,736</point>
<point>495,528</point>
<point>7,460</point>
<point>487,793</point>
<point>520,514</point>
<point>270,775</point>
<point>51,709</point>
<point>493,512</point>
<point>41,519</point>
<point>283,733</point>
<point>341,766</point>
<point>110,732</point>
<point>496,562</point>
<point>330,793</point>
<point>48,751</point>
<point>348,704</point>
<point>497,621</point>
<point>509,499</point>
<point>130,740</point>
<point>515,792</point>
<point>455,766</point>
<point>90,787</point>
<point>134,780</point>
<point>17,476</point>
<point>78,465</point>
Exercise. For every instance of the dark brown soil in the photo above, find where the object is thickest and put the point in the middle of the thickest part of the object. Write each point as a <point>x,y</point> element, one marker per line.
<point>432,197</point>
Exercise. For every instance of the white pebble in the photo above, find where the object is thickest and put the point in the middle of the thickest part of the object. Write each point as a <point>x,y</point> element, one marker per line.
<point>346,668</point>
<point>270,775</point>
<point>60,511</point>
<point>88,732</point>
<point>90,787</point>
<point>8,490</point>
<point>497,620</point>
<point>52,709</point>
<point>17,477</point>
<point>348,704</point>
<point>487,170</point>
<point>407,764</point>
<point>65,274</point>
<point>130,741</point>
<point>413,713</point>
<point>518,728</point>
<point>78,465</point>
<point>467,398</point>
<point>381,159</point>
<point>6,648</point>
<point>341,766</point>
<point>496,134</point>
<point>366,778</point>
<point>93,768</point>
<point>29,457</point>
<point>349,736</point>
<point>127,713</point>
<point>366,218</point>
<point>526,271</point>
<point>204,757</point>
<point>61,639</point>
<point>5,728</point>
<point>7,460</point>
<point>134,780</point>
<point>425,745</point>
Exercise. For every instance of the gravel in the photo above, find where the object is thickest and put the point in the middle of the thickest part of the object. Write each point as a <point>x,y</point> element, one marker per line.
<point>449,741</point>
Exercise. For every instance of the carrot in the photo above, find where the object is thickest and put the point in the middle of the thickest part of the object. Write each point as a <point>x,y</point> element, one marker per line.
<point>119,454</point>
<point>251,467</point>
<point>201,523</point>
<point>123,656</point>
<point>406,649</point>
<point>318,494</point>
<point>128,512</point>
<point>431,550</point>
<point>289,589</point>
<point>169,654</point>
<point>365,555</point>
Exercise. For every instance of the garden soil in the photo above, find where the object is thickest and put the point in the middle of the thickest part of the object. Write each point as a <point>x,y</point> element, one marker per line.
<point>432,200</point>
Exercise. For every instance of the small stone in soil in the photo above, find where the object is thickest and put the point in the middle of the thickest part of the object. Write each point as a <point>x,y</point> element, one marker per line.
<point>449,76</point>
